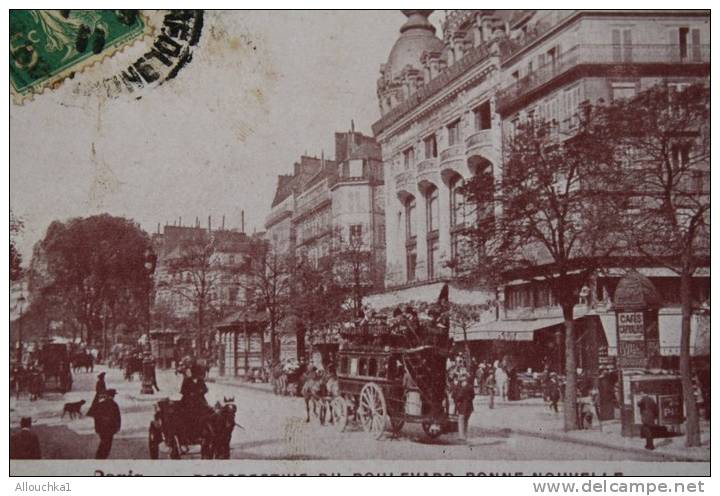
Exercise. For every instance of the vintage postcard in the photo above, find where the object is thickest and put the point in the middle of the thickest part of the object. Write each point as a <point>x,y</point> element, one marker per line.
<point>417,242</point>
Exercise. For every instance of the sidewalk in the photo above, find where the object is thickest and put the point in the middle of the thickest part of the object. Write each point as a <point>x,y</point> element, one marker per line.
<point>532,417</point>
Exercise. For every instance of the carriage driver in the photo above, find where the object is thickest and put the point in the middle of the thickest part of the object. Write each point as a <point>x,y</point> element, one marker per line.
<point>193,392</point>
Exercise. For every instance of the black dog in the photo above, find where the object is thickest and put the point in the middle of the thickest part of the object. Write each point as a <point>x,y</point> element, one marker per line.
<point>73,409</point>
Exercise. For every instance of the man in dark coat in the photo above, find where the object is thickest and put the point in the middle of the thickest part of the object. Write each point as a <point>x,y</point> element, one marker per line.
<point>107,422</point>
<point>463,394</point>
<point>100,389</point>
<point>24,445</point>
<point>648,415</point>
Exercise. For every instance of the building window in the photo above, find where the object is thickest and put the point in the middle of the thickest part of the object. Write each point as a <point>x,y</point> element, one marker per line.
<point>689,43</point>
<point>433,209</point>
<point>433,248</point>
<point>622,45</point>
<point>457,204</point>
<point>621,91</point>
<point>430,146</point>
<point>680,156</point>
<point>356,168</point>
<point>409,158</point>
<point>356,234</point>
<point>483,118</point>
<point>454,133</point>
<point>411,262</point>
<point>410,219</point>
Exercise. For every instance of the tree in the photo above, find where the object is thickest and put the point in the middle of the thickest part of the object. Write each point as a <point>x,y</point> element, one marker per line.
<point>93,266</point>
<point>355,267</point>
<point>194,264</point>
<point>16,227</point>
<point>665,135</point>
<point>267,289</point>
<point>556,206</point>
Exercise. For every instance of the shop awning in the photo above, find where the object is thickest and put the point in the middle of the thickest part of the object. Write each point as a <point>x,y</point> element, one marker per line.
<point>506,330</point>
<point>670,326</point>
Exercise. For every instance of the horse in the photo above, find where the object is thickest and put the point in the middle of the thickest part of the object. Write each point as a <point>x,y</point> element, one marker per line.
<point>82,359</point>
<point>133,365</point>
<point>318,387</point>
<point>218,431</point>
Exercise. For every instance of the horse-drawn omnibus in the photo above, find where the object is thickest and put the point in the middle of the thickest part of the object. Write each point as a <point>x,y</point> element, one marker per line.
<point>383,384</point>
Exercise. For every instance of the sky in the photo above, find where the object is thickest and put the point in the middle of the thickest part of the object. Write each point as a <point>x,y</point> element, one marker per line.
<point>262,89</point>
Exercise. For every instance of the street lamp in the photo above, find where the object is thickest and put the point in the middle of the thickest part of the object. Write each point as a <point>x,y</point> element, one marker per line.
<point>21,303</point>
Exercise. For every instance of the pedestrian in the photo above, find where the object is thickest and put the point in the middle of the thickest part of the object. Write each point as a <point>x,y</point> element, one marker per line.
<point>648,415</point>
<point>501,380</point>
<point>490,388</point>
<point>463,395</point>
<point>553,392</point>
<point>107,422</point>
<point>100,389</point>
<point>25,445</point>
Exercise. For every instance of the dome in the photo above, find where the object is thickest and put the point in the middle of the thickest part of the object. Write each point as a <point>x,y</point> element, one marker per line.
<point>636,292</point>
<point>417,35</point>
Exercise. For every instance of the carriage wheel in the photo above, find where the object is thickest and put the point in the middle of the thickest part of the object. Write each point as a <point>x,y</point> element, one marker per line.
<point>154,442</point>
<point>339,413</point>
<point>372,410</point>
<point>432,429</point>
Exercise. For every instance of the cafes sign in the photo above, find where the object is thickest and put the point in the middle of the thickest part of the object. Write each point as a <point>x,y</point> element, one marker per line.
<point>631,326</point>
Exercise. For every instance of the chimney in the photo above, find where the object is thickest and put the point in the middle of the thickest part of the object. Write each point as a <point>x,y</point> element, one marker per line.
<point>209,223</point>
<point>180,221</point>
<point>158,231</point>
<point>242,221</point>
<point>222,228</point>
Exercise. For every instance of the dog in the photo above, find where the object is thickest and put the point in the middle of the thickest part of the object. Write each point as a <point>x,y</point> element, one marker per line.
<point>73,409</point>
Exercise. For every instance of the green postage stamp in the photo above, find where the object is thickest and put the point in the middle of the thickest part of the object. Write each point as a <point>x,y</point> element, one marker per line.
<point>46,46</point>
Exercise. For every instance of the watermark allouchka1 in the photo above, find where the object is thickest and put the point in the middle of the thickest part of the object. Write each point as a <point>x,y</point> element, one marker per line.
<point>47,46</point>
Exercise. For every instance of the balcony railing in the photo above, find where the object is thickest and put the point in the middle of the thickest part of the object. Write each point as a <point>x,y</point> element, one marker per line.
<point>405,180</point>
<point>478,139</point>
<point>604,55</point>
<point>427,165</point>
<point>451,153</point>
<point>308,204</point>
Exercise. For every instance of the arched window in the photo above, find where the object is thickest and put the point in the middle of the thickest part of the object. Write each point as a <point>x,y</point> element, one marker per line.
<point>410,219</point>
<point>457,204</point>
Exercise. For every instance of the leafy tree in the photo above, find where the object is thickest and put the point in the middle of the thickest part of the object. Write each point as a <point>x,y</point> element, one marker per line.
<point>665,135</point>
<point>556,204</point>
<point>92,268</point>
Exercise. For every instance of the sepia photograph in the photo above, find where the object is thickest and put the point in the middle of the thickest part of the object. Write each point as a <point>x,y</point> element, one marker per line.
<point>368,242</point>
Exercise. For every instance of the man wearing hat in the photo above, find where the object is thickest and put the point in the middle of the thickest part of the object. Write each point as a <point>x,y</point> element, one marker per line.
<point>463,394</point>
<point>24,445</point>
<point>107,422</point>
<point>100,389</point>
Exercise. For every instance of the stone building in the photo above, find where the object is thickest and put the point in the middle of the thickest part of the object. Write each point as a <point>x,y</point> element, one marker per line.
<point>447,103</point>
<point>181,271</point>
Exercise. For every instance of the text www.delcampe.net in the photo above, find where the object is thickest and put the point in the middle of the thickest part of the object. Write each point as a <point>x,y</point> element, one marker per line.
<point>619,487</point>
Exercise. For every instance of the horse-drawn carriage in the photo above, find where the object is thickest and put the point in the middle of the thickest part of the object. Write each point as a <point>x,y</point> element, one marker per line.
<point>391,372</point>
<point>381,389</point>
<point>178,427</point>
<point>54,364</point>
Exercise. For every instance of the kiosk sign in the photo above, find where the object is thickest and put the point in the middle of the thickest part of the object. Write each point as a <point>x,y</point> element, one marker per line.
<point>631,326</point>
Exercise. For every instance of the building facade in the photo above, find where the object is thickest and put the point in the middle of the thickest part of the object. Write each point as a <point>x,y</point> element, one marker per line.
<point>447,103</point>
<point>327,204</point>
<point>183,274</point>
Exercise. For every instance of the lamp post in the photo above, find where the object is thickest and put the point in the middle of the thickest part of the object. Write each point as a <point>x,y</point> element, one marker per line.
<point>148,364</point>
<point>21,303</point>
